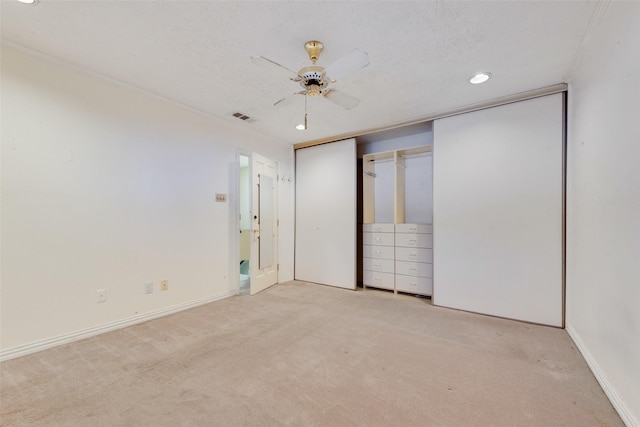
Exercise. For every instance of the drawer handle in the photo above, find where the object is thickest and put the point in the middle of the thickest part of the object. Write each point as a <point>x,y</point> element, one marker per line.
<point>413,269</point>
<point>378,239</point>
<point>413,229</point>
<point>413,241</point>
<point>413,255</point>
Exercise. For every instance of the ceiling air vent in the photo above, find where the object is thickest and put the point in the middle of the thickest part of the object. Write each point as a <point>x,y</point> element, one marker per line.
<point>243,117</point>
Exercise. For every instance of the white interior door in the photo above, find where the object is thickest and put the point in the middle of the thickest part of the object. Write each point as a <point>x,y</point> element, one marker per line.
<point>326,214</point>
<point>264,241</point>
<point>498,211</point>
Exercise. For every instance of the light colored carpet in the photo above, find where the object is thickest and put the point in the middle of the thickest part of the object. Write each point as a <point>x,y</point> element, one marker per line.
<point>310,355</point>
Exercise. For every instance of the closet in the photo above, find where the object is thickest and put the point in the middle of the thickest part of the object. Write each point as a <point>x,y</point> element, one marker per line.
<point>397,230</point>
<point>467,209</point>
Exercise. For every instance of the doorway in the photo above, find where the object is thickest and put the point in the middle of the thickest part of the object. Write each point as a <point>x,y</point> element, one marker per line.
<point>258,223</point>
<point>244,200</point>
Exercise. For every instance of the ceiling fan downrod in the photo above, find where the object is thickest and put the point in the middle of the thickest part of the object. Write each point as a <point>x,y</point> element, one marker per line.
<point>314,48</point>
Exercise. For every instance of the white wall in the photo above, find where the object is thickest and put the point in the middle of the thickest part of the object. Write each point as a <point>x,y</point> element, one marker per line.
<point>603,221</point>
<point>106,187</point>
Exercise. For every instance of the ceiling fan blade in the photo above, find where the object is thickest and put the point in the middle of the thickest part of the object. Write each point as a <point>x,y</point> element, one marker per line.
<point>287,99</point>
<point>341,99</point>
<point>349,63</point>
<point>267,63</point>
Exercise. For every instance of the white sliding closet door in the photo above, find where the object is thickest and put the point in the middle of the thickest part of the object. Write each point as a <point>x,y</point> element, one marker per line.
<point>326,214</point>
<point>498,211</point>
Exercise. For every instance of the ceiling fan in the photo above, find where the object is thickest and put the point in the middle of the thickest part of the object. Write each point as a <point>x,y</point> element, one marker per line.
<point>316,80</point>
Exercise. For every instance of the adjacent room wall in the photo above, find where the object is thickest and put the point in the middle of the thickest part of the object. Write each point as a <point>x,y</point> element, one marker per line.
<point>107,187</point>
<point>603,221</point>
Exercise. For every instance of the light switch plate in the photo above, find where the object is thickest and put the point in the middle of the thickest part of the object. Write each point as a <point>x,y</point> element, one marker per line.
<point>221,197</point>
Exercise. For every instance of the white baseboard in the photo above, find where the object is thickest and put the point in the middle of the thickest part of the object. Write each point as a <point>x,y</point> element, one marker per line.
<point>34,347</point>
<point>625,414</point>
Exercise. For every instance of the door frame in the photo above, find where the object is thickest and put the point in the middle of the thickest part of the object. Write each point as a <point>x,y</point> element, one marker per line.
<point>235,241</point>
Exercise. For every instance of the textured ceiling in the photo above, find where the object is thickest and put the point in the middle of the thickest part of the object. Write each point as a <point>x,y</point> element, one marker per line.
<point>421,54</point>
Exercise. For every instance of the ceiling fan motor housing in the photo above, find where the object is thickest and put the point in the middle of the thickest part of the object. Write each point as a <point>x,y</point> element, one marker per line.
<point>313,80</point>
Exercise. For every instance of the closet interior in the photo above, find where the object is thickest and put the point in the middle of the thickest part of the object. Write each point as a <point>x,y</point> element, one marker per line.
<point>396,210</point>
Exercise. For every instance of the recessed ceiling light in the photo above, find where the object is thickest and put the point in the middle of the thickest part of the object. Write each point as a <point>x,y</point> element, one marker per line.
<point>479,78</point>
<point>28,1</point>
<point>300,127</point>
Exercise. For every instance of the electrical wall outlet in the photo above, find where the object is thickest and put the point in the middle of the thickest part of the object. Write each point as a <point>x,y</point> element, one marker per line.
<point>148,288</point>
<point>221,197</point>
<point>101,295</point>
<point>164,285</point>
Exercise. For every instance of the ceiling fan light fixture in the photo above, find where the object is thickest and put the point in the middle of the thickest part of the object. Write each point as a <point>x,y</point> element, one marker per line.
<point>301,127</point>
<point>479,78</point>
<point>315,80</point>
<point>313,90</point>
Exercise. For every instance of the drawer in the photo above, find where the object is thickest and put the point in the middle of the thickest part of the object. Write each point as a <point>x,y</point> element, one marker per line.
<point>382,265</point>
<point>378,239</point>
<point>414,228</point>
<point>378,228</point>
<point>414,240</point>
<point>378,280</point>
<point>421,269</point>
<point>415,285</point>
<point>414,254</point>
<point>381,252</point>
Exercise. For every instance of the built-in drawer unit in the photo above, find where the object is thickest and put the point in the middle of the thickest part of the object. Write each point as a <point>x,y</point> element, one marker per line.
<point>378,255</point>
<point>381,252</point>
<point>414,258</point>
<point>413,254</point>
<point>414,240</point>
<point>398,257</point>
<point>414,284</point>
<point>414,228</point>
<point>408,268</point>
<point>378,228</point>
<point>381,265</point>
<point>378,280</point>
<point>378,239</point>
